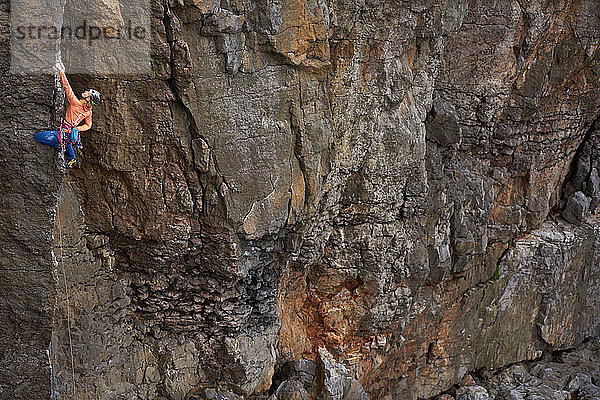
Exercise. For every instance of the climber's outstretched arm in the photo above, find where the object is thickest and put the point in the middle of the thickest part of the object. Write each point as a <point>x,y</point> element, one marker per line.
<point>68,91</point>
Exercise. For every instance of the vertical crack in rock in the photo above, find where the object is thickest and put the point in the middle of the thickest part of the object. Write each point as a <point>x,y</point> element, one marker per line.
<point>295,121</point>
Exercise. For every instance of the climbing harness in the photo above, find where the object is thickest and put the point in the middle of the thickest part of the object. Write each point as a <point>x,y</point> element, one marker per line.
<point>63,132</point>
<point>62,261</point>
<point>69,134</point>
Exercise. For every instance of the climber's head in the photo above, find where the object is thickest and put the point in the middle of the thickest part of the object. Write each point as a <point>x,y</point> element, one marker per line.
<point>91,97</point>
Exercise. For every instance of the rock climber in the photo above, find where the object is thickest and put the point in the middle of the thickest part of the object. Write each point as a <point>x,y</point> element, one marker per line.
<point>77,111</point>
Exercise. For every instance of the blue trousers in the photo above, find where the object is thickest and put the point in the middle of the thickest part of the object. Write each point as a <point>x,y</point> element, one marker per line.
<point>50,138</point>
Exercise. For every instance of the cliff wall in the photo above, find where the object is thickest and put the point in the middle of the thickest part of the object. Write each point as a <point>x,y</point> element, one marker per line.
<point>30,188</point>
<point>404,192</point>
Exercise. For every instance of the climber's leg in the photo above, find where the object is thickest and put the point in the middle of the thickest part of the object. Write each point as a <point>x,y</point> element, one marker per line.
<point>49,138</point>
<point>70,156</point>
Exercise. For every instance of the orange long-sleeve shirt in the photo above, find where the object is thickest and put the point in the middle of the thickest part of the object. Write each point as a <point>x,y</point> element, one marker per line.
<point>77,110</point>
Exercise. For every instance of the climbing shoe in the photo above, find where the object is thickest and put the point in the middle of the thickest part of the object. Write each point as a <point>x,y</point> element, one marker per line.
<point>72,163</point>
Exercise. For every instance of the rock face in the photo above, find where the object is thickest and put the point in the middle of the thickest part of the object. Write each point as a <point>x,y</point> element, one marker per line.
<point>30,186</point>
<point>562,375</point>
<point>403,192</point>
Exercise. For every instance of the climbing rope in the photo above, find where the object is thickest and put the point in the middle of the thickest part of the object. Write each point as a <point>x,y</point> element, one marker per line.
<point>53,380</point>
<point>52,369</point>
<point>62,260</point>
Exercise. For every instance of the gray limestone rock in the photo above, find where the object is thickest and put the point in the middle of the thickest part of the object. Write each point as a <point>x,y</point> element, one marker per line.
<point>555,375</point>
<point>593,188</point>
<point>570,374</point>
<point>577,208</point>
<point>591,392</point>
<point>337,384</point>
<point>578,381</point>
<point>290,390</point>
<point>354,390</point>
<point>333,375</point>
<point>218,394</point>
<point>301,370</point>
<point>442,123</point>
<point>472,393</point>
